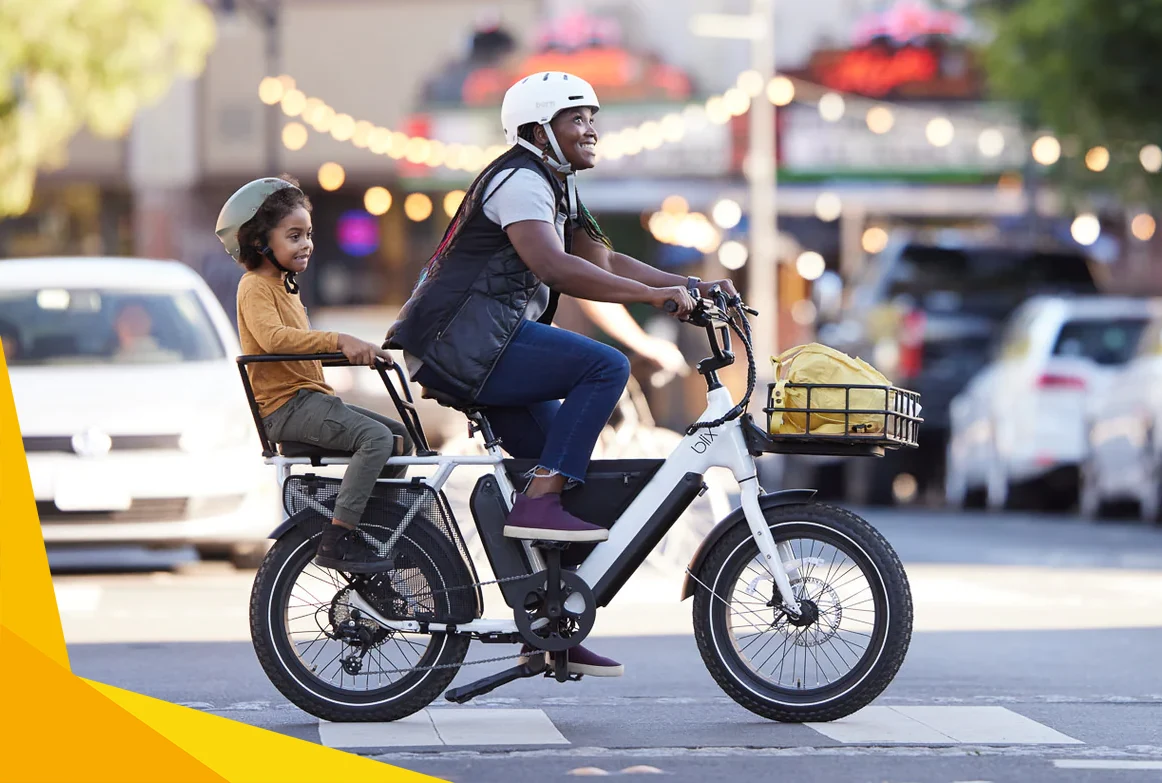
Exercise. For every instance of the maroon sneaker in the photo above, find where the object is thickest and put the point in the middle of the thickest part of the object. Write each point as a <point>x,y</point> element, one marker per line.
<point>545,519</point>
<point>582,661</point>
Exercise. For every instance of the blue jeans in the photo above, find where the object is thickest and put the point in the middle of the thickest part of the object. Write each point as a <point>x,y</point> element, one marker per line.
<point>549,396</point>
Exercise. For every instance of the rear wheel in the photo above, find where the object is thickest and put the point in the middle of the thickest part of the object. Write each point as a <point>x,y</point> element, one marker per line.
<point>841,652</point>
<point>339,666</point>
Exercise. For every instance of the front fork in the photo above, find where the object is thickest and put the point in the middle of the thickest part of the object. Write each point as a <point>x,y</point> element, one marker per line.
<point>779,558</point>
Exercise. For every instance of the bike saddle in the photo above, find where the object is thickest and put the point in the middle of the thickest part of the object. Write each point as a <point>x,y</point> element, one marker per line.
<point>295,449</point>
<point>449,400</point>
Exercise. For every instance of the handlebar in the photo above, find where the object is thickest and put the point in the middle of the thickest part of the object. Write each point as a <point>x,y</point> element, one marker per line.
<point>716,314</point>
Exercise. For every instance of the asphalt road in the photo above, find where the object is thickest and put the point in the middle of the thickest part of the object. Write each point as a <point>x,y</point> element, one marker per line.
<point>1036,657</point>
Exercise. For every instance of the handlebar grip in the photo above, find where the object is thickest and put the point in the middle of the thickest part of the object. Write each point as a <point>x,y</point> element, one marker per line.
<point>670,306</point>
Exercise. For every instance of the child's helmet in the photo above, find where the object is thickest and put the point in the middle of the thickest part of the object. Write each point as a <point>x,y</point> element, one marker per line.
<point>242,206</point>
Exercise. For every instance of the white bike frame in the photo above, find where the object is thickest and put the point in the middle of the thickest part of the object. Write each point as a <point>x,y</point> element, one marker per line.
<point>722,446</point>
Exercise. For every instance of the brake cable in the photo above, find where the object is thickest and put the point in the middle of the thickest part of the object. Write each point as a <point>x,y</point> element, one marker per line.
<point>744,334</point>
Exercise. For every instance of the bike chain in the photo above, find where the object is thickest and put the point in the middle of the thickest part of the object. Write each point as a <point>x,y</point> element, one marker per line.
<point>467,663</point>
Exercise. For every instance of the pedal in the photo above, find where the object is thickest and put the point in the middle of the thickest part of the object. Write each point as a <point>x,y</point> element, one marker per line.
<point>534,666</point>
<point>561,666</point>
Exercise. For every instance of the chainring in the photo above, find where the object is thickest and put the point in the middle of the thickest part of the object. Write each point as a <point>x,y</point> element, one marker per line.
<point>561,633</point>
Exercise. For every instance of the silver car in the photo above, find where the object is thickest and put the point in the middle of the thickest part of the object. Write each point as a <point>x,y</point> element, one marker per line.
<point>131,410</point>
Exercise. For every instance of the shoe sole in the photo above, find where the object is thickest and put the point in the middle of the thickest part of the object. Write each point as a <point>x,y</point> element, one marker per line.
<point>565,536</point>
<point>351,568</point>
<point>586,669</point>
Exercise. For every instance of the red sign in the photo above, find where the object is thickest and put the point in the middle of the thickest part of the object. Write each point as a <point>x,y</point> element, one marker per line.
<point>877,72</point>
<point>938,71</point>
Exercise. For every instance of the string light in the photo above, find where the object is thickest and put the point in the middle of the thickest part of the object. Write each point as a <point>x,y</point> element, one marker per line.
<point>294,136</point>
<point>417,206</point>
<point>733,255</point>
<point>1097,159</point>
<point>750,82</point>
<point>270,91</point>
<point>831,107</point>
<point>991,142</point>
<point>377,200</point>
<point>1142,227</point>
<point>331,176</point>
<point>939,131</point>
<point>1151,158</point>
<point>1085,228</point>
<point>880,119</point>
<point>727,213</point>
<point>828,207</point>
<point>810,265</point>
<point>780,91</point>
<point>874,240</point>
<point>1046,150</point>
<point>452,202</point>
<point>651,134</point>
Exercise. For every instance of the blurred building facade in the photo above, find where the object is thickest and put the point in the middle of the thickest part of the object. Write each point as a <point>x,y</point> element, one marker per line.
<point>437,69</point>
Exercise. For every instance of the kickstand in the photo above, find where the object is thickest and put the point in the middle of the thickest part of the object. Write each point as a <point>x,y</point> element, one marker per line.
<point>535,665</point>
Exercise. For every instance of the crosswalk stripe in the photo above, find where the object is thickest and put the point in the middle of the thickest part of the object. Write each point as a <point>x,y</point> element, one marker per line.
<point>1105,764</point>
<point>941,725</point>
<point>911,725</point>
<point>447,726</point>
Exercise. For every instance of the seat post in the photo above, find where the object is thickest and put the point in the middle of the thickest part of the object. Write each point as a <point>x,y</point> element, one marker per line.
<point>478,422</point>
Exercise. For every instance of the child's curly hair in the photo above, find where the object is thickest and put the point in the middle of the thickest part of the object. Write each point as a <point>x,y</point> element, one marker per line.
<point>254,234</point>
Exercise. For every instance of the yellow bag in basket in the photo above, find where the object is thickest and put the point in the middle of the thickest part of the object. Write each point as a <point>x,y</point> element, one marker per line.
<point>815,363</point>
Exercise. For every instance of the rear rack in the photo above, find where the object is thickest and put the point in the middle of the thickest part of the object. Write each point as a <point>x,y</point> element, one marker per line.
<point>866,431</point>
<point>405,405</point>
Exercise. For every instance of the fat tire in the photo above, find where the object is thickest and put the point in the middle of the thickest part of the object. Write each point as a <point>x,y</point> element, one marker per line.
<point>896,634</point>
<point>418,690</point>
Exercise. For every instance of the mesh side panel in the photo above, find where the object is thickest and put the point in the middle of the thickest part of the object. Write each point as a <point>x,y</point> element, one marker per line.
<point>413,529</point>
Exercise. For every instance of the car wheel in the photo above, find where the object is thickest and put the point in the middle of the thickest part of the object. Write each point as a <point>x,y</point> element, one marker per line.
<point>955,488</point>
<point>997,486</point>
<point>249,556</point>
<point>1089,499</point>
<point>1150,499</point>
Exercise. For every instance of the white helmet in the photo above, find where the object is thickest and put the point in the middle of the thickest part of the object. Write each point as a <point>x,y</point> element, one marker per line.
<point>538,98</point>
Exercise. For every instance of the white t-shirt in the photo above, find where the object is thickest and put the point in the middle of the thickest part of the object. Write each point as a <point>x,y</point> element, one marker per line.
<point>513,196</point>
<point>525,195</point>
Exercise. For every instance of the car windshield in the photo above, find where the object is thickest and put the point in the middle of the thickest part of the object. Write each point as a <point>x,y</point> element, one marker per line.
<point>88,326</point>
<point>1104,342</point>
<point>922,269</point>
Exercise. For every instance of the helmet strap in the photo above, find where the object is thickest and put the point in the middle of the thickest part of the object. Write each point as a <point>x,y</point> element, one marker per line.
<point>288,280</point>
<point>560,164</point>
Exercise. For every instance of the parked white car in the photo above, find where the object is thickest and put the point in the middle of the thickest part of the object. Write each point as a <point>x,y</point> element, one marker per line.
<point>1124,463</point>
<point>1021,423</point>
<point>133,417</point>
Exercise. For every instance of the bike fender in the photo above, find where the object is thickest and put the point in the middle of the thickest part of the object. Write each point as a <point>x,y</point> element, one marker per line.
<point>307,515</point>
<point>784,497</point>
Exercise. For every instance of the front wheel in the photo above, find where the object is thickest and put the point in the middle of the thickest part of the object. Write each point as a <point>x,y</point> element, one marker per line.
<point>847,644</point>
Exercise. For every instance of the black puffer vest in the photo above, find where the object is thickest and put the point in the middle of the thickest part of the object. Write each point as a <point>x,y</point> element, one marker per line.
<point>464,312</point>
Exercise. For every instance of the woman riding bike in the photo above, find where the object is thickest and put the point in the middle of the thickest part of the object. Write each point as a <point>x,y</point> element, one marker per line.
<point>478,324</point>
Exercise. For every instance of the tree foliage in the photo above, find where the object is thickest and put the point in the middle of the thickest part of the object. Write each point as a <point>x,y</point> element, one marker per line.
<point>65,64</point>
<point>1088,71</point>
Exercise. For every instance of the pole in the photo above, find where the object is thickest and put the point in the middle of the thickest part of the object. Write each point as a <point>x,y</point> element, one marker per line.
<point>763,293</point>
<point>269,13</point>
